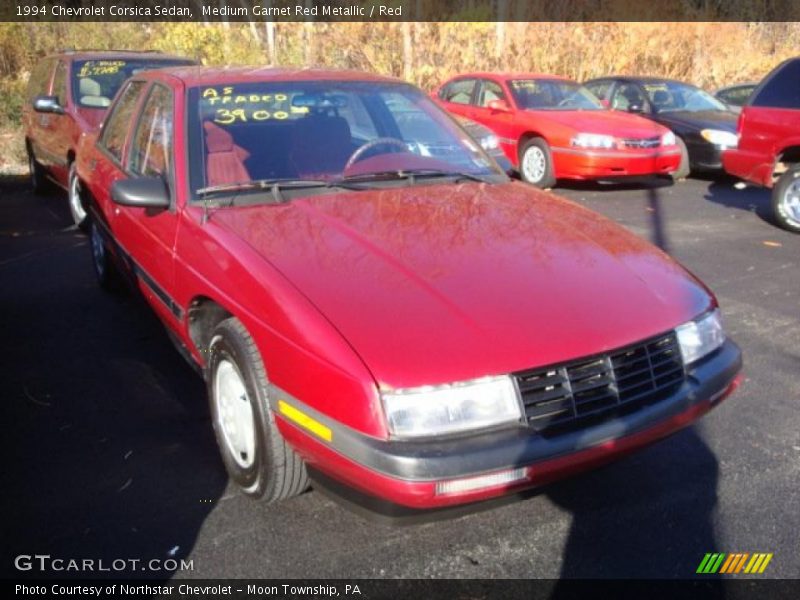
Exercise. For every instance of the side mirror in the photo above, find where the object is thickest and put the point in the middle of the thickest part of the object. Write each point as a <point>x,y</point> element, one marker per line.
<point>635,108</point>
<point>605,102</point>
<point>141,192</point>
<point>48,104</point>
<point>498,106</point>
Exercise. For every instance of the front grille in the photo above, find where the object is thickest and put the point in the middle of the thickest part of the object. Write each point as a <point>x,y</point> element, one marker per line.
<point>583,392</point>
<point>652,142</point>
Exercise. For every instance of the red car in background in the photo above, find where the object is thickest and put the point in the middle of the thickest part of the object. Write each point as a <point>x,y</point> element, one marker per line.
<point>768,153</point>
<point>552,128</point>
<point>69,94</point>
<point>369,296</point>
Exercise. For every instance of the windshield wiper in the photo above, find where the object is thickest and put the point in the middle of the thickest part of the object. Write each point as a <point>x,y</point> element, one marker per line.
<point>412,175</point>
<point>274,186</point>
<point>261,184</point>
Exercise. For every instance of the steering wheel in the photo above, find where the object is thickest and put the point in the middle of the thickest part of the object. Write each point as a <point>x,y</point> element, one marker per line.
<point>356,156</point>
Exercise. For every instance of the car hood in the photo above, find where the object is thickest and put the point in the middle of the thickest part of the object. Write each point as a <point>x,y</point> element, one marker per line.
<point>707,119</point>
<point>609,122</point>
<point>441,283</point>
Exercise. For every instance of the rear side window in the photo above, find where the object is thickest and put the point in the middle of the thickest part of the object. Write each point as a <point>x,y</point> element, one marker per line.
<point>458,92</point>
<point>115,128</point>
<point>151,149</point>
<point>782,89</point>
<point>736,96</point>
<point>599,88</point>
<point>40,79</point>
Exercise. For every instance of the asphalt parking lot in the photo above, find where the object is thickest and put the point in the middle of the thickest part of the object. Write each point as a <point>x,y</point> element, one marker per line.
<point>109,452</point>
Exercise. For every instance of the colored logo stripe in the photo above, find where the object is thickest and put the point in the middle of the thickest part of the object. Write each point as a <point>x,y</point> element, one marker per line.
<point>711,563</point>
<point>734,563</point>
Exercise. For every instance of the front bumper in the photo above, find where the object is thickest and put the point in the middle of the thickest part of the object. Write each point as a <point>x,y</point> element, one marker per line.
<point>704,156</point>
<point>407,473</point>
<point>574,163</point>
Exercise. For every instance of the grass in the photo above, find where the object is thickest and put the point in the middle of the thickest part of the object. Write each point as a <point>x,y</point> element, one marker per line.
<point>12,151</point>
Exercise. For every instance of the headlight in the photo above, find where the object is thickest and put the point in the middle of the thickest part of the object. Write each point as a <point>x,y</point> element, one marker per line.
<point>668,139</point>
<point>438,410</point>
<point>490,142</point>
<point>725,139</point>
<point>593,140</point>
<point>700,337</point>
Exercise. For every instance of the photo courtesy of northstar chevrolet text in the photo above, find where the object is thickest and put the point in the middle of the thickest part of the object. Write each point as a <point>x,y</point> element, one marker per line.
<point>469,290</point>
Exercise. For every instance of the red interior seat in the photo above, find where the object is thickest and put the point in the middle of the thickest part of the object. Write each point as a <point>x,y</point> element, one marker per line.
<point>225,160</point>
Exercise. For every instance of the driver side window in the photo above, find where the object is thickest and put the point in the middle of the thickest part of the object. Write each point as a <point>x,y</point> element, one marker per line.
<point>151,150</point>
<point>117,123</point>
<point>490,91</point>
<point>627,97</point>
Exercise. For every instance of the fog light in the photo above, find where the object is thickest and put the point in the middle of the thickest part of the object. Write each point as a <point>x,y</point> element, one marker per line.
<point>470,484</point>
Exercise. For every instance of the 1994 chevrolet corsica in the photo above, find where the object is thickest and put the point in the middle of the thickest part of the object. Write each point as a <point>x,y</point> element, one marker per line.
<point>368,295</point>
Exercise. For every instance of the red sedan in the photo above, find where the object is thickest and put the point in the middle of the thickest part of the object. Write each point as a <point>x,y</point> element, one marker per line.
<point>553,128</point>
<point>370,298</point>
<point>69,94</point>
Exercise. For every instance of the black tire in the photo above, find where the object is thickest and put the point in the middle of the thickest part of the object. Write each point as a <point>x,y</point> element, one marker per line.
<point>105,270</point>
<point>38,177</point>
<point>77,207</point>
<point>684,168</point>
<point>787,191</point>
<point>541,178</point>
<point>276,472</point>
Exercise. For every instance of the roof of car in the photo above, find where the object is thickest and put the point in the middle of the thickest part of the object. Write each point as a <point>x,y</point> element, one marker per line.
<point>118,54</point>
<point>733,86</point>
<point>507,75</point>
<point>641,79</point>
<point>196,75</point>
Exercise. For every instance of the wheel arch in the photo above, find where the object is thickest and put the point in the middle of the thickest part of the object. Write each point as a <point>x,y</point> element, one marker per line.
<point>202,317</point>
<point>524,139</point>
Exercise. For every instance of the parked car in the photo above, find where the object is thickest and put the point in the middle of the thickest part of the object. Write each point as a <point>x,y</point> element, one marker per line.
<point>68,93</point>
<point>371,298</point>
<point>488,141</point>
<point>551,128</point>
<point>735,96</point>
<point>769,142</point>
<point>704,126</point>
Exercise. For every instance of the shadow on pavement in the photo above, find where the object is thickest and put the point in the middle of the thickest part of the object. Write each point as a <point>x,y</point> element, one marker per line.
<point>109,424</point>
<point>623,526</point>
<point>752,198</point>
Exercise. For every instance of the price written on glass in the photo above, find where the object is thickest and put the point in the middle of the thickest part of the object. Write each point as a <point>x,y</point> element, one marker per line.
<point>232,107</point>
<point>93,68</point>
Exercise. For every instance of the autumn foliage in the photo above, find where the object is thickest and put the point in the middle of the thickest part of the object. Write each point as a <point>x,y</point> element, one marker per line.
<point>708,54</point>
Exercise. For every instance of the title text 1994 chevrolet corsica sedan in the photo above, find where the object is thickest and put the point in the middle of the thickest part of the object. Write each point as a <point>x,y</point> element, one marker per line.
<point>370,298</point>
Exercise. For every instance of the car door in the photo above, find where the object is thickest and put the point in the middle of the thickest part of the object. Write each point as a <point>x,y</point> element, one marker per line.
<point>457,96</point>
<point>38,123</point>
<point>59,138</point>
<point>149,235</point>
<point>502,123</point>
<point>144,238</point>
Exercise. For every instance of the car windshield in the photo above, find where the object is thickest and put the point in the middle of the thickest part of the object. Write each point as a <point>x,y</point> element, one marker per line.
<point>671,96</point>
<point>553,94</point>
<point>95,82</point>
<point>300,132</point>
